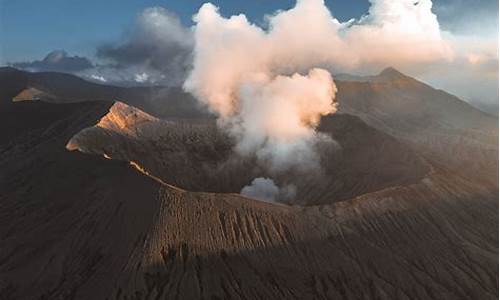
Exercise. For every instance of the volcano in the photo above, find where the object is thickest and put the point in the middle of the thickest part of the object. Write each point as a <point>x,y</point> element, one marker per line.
<point>132,193</point>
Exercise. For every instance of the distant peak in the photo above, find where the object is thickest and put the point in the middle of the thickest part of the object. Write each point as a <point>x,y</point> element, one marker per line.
<point>391,72</point>
<point>9,70</point>
<point>55,56</point>
<point>32,94</point>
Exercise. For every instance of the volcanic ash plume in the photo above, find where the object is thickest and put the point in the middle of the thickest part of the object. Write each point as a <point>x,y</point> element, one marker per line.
<point>269,87</point>
<point>250,76</point>
<point>246,77</point>
<point>276,117</point>
<point>266,190</point>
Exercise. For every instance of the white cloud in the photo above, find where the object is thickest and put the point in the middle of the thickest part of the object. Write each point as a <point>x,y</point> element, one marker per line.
<point>98,78</point>
<point>142,77</point>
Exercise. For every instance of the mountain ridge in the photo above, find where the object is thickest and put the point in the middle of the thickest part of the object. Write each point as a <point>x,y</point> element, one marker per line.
<point>127,94</point>
<point>200,157</point>
<point>125,235</point>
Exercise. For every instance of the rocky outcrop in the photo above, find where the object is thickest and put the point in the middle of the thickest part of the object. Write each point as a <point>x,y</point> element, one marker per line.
<point>32,94</point>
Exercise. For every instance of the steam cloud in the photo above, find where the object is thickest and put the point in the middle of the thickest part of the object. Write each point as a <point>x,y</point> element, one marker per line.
<point>266,190</point>
<point>270,87</point>
<point>394,32</point>
<point>401,33</point>
<point>252,79</point>
<point>247,77</point>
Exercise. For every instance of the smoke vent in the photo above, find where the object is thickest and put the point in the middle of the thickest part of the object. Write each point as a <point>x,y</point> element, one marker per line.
<point>198,156</point>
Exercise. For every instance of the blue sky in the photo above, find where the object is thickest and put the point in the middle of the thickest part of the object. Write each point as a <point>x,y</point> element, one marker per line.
<point>29,29</point>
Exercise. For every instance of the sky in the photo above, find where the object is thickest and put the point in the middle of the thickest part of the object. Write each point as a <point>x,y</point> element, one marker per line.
<point>29,29</point>
<point>118,36</point>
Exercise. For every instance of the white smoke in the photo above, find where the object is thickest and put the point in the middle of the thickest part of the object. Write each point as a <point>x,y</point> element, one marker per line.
<point>271,85</point>
<point>398,33</point>
<point>250,76</point>
<point>266,190</point>
<point>276,117</point>
<point>242,73</point>
<point>394,32</point>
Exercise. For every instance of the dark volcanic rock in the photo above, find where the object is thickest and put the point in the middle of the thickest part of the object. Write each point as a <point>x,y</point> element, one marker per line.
<point>77,226</point>
<point>197,156</point>
<point>163,102</point>
<point>433,122</point>
<point>12,82</point>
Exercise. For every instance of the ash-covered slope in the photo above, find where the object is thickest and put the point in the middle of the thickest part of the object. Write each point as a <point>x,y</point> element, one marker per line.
<point>432,121</point>
<point>62,213</point>
<point>74,226</point>
<point>405,106</point>
<point>164,102</point>
<point>389,245</point>
<point>197,156</point>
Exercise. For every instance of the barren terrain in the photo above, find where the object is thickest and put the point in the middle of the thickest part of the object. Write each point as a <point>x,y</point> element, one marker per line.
<point>408,208</point>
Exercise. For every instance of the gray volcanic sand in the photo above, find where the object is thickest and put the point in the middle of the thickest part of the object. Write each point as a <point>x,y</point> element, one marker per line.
<point>79,226</point>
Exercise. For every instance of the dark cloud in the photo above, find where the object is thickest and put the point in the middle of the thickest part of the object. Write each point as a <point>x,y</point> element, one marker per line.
<point>58,61</point>
<point>467,16</point>
<point>158,44</point>
<point>157,50</point>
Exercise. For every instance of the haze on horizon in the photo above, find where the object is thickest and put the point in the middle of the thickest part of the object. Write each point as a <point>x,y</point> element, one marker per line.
<point>152,43</point>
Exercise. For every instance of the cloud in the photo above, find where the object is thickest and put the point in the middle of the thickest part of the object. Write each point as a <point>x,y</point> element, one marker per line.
<point>269,86</point>
<point>158,46</point>
<point>400,33</point>
<point>431,42</point>
<point>472,75</point>
<point>457,16</point>
<point>242,74</point>
<point>98,78</point>
<point>157,50</point>
<point>58,61</point>
<point>474,78</point>
<point>143,77</point>
<point>276,118</point>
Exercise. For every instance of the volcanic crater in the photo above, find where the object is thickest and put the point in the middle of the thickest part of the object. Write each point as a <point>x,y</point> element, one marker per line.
<point>199,156</point>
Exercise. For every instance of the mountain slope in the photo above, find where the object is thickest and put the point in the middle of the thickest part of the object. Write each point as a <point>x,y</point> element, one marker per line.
<point>431,121</point>
<point>405,105</point>
<point>77,226</point>
<point>48,198</point>
<point>65,88</point>
<point>199,157</point>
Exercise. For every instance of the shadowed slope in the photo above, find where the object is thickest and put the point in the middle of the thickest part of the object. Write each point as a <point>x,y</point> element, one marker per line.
<point>59,209</point>
<point>389,245</point>
<point>76,226</point>
<point>164,102</point>
<point>431,121</point>
<point>197,156</point>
